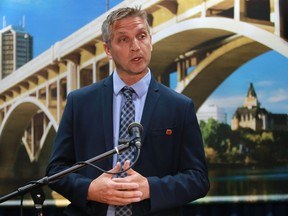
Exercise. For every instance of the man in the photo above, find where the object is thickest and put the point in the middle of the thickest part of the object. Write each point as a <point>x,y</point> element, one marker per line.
<point>171,170</point>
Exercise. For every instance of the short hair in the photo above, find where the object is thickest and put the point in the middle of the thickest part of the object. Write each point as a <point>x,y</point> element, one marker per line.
<point>120,14</point>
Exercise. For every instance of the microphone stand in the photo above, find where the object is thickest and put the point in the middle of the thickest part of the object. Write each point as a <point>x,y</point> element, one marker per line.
<point>35,187</point>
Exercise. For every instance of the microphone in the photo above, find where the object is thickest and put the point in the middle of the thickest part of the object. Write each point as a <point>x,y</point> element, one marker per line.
<point>135,130</point>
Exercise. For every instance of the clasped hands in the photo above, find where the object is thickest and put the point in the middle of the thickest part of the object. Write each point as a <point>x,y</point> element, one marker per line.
<point>119,191</point>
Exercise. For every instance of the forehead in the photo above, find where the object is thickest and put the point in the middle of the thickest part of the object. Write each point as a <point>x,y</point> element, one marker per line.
<point>129,24</point>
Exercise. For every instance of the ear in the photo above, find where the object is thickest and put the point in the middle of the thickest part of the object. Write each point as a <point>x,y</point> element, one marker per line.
<point>107,50</point>
<point>151,45</point>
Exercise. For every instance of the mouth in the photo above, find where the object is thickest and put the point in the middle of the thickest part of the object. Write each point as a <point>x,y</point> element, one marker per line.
<point>136,59</point>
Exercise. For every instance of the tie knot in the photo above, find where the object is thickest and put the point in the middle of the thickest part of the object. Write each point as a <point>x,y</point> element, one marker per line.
<point>127,92</point>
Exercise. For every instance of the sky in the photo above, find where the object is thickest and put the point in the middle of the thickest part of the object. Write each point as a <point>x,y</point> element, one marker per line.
<point>269,75</point>
<point>50,21</point>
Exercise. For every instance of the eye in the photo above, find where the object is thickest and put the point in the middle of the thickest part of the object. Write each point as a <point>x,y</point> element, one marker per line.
<point>123,39</point>
<point>142,36</point>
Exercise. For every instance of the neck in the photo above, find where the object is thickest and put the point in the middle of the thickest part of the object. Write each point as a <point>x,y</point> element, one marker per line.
<point>130,79</point>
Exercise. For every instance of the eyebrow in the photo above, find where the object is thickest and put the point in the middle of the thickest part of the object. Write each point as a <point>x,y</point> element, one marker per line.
<point>138,30</point>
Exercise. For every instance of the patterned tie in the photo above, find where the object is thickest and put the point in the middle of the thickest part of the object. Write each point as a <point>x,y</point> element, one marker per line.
<point>126,118</point>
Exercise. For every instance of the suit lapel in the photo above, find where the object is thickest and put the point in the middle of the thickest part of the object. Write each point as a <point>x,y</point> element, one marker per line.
<point>107,107</point>
<point>150,103</point>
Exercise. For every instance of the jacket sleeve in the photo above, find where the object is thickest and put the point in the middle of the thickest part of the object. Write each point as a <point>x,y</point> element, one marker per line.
<point>74,186</point>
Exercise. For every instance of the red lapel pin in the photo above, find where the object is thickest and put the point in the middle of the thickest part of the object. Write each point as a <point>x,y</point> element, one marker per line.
<point>168,132</point>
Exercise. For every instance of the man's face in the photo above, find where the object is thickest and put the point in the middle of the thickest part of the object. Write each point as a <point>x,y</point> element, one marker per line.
<point>130,47</point>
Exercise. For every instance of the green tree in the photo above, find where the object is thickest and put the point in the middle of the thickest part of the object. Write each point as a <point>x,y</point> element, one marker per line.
<point>216,135</point>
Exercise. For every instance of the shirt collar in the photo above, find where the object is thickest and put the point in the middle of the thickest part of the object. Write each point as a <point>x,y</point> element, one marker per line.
<point>141,87</point>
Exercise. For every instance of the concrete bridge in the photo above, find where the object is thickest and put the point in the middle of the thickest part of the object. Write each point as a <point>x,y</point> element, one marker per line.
<point>202,41</point>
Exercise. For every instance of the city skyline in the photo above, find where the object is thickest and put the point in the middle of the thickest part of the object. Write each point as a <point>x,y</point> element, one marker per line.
<point>268,72</point>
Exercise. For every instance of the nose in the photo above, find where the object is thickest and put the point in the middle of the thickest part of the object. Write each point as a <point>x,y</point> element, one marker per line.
<point>134,46</point>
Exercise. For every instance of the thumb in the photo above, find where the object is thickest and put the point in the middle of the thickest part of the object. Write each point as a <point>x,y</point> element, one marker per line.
<point>115,169</point>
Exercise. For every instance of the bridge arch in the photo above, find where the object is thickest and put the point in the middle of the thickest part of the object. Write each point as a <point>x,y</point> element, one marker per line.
<point>237,43</point>
<point>15,123</point>
<point>214,69</point>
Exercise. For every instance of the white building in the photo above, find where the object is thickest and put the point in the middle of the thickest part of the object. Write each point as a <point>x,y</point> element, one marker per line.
<point>212,111</point>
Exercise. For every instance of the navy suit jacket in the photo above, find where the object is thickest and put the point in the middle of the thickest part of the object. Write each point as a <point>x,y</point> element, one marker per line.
<point>174,163</point>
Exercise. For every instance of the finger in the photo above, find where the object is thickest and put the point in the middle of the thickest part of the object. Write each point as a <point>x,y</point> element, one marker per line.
<point>122,197</point>
<point>122,184</point>
<point>120,201</point>
<point>127,194</point>
<point>115,169</point>
<point>126,166</point>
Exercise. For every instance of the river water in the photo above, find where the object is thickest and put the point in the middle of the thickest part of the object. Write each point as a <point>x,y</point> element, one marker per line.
<point>231,181</point>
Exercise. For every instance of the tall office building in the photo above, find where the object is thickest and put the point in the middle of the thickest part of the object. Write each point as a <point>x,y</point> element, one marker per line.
<point>16,49</point>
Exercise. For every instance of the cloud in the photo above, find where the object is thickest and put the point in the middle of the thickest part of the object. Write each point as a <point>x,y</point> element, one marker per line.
<point>226,102</point>
<point>265,83</point>
<point>277,96</point>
